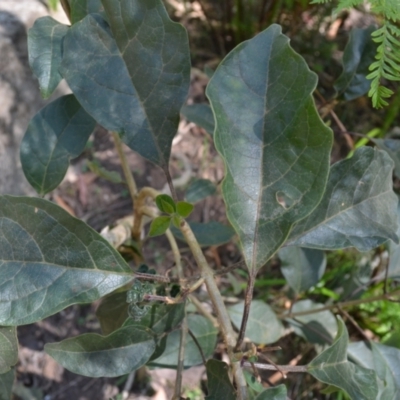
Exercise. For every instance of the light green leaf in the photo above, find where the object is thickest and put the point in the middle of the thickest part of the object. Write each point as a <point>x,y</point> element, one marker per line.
<point>199,189</point>
<point>392,147</point>
<point>263,326</point>
<point>6,384</point>
<point>50,260</point>
<point>119,353</point>
<point>159,225</point>
<point>81,8</point>
<point>165,203</point>
<point>385,361</point>
<point>201,115</point>
<point>358,208</point>
<point>206,335</point>
<point>55,135</point>
<point>146,66</point>
<point>212,233</point>
<point>219,385</point>
<point>8,348</point>
<point>273,142</point>
<point>276,393</point>
<point>45,52</point>
<point>320,327</point>
<point>184,209</point>
<point>358,55</point>
<point>302,268</point>
<point>332,368</point>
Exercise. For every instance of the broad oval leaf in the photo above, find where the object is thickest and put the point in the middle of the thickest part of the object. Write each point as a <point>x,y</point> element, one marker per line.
<point>112,312</point>
<point>45,52</point>
<point>55,135</point>
<point>302,268</point>
<point>358,208</point>
<point>206,335</point>
<point>199,190</point>
<point>358,55</point>
<point>273,142</point>
<point>212,233</point>
<point>132,77</point>
<point>80,8</point>
<point>392,147</point>
<point>263,326</point>
<point>6,384</point>
<point>120,353</point>
<point>50,260</point>
<point>201,115</point>
<point>332,367</point>
<point>320,327</point>
<point>9,348</point>
<point>276,393</point>
<point>218,382</point>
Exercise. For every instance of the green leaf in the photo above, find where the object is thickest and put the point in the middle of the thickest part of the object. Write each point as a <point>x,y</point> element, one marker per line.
<point>206,335</point>
<point>358,206</point>
<point>384,360</point>
<point>120,353</point>
<point>219,385</point>
<point>392,147</point>
<point>6,384</point>
<point>276,393</point>
<point>45,52</point>
<point>201,115</point>
<point>81,8</point>
<point>302,268</point>
<point>358,55</point>
<point>50,260</point>
<point>332,368</point>
<point>112,312</point>
<point>252,382</point>
<point>55,135</point>
<point>9,348</point>
<point>165,204</point>
<point>159,225</point>
<point>146,69</point>
<point>394,253</point>
<point>184,209</point>
<point>319,327</point>
<point>212,233</point>
<point>263,326</point>
<point>273,142</point>
<point>100,171</point>
<point>199,189</point>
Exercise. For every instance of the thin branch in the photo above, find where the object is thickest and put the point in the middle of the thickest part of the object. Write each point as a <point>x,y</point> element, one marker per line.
<point>202,310</point>
<point>181,360</point>
<point>284,368</point>
<point>354,323</point>
<point>196,342</point>
<point>170,184</point>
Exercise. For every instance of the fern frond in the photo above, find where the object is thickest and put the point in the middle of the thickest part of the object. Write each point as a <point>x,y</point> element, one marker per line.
<point>319,1</point>
<point>346,4</point>
<point>390,9</point>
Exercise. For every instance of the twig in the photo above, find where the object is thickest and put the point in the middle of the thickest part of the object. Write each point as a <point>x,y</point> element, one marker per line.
<point>202,310</point>
<point>196,342</point>
<point>284,368</point>
<point>181,360</point>
<point>170,184</point>
<point>354,323</point>
<point>128,385</point>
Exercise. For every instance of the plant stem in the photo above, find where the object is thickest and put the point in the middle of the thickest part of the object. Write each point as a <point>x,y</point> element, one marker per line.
<point>219,306</point>
<point>181,360</point>
<point>137,212</point>
<point>202,310</point>
<point>350,303</point>
<point>284,368</point>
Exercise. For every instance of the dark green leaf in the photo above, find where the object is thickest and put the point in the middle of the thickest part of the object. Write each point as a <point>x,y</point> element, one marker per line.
<point>219,385</point>
<point>159,225</point>
<point>81,8</point>
<point>392,147</point>
<point>184,209</point>
<point>45,52</point>
<point>161,318</point>
<point>6,384</point>
<point>55,135</point>
<point>332,368</point>
<point>112,176</point>
<point>358,208</point>
<point>206,335</point>
<point>8,347</point>
<point>274,144</point>
<point>165,204</point>
<point>320,327</point>
<point>50,260</point>
<point>199,190</point>
<point>358,55</point>
<point>302,268</point>
<point>122,352</point>
<point>263,326</point>
<point>385,361</point>
<point>112,312</point>
<point>209,234</point>
<point>276,393</point>
<point>201,115</point>
<point>136,83</point>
